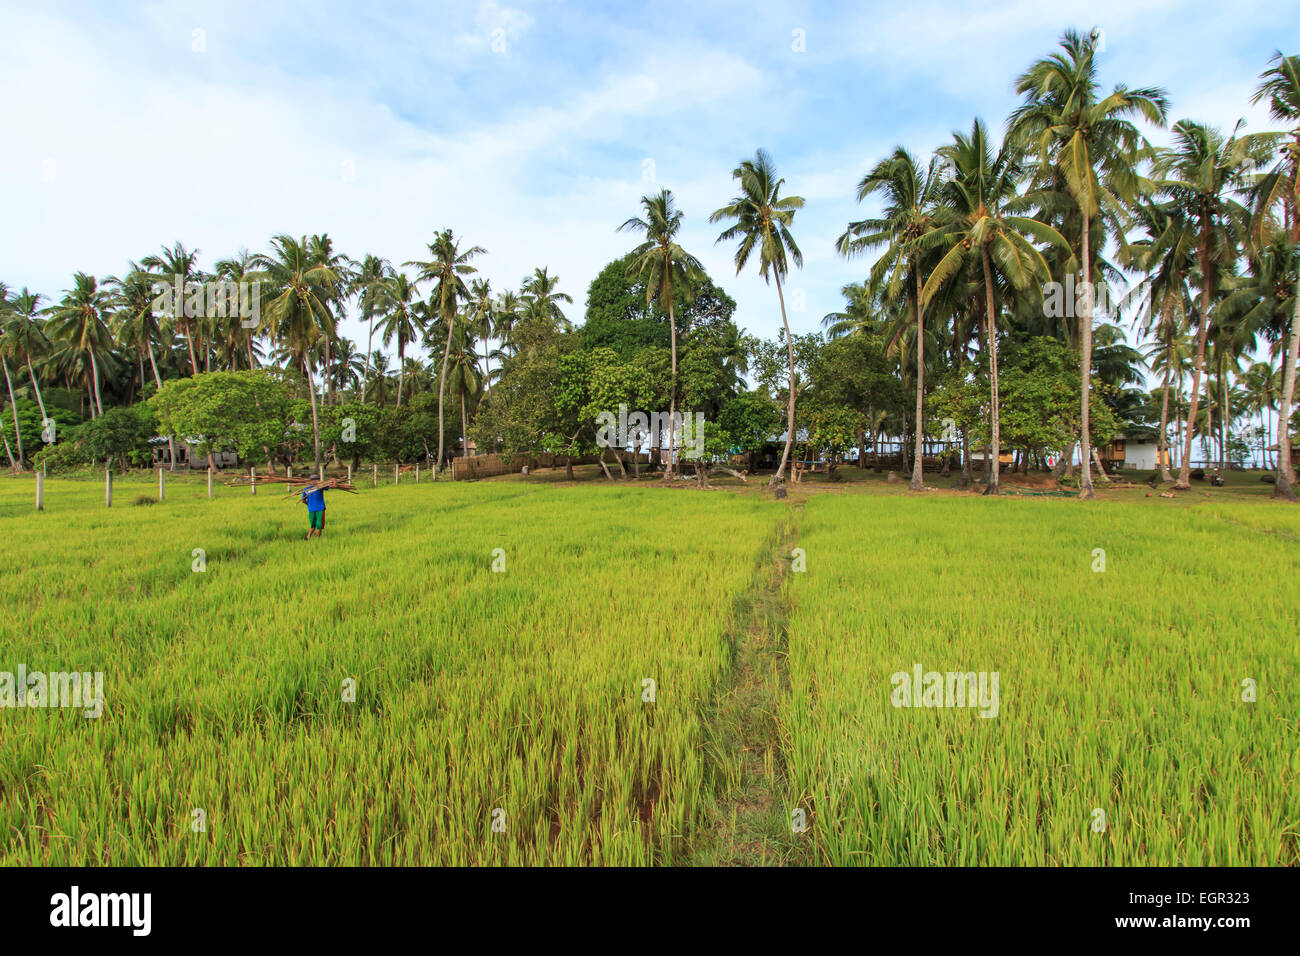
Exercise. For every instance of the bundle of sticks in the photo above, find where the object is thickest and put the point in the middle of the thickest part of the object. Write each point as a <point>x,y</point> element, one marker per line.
<point>296,486</point>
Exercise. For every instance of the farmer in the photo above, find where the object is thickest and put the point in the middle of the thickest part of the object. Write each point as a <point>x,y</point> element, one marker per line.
<point>313,496</point>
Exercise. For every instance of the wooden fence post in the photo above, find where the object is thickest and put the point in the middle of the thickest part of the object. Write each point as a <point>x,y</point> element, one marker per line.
<point>397,474</point>
<point>162,484</point>
<point>40,491</point>
<point>349,473</point>
<point>209,481</point>
<point>376,467</point>
<point>417,474</point>
<point>108,487</point>
<point>252,479</point>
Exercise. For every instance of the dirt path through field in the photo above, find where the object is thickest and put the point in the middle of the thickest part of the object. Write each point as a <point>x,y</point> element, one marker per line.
<point>750,823</point>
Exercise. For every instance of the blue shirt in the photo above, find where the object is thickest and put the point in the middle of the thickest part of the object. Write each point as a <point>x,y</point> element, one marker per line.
<point>315,499</point>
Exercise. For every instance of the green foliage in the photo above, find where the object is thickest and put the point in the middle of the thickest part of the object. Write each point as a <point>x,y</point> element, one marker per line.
<point>618,316</point>
<point>121,435</point>
<point>31,428</point>
<point>243,411</point>
<point>749,420</point>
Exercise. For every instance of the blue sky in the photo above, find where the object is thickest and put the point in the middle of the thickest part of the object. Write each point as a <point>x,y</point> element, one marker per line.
<point>532,129</point>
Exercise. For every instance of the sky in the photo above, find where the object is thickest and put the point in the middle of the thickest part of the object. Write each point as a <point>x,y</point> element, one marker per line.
<point>531,129</point>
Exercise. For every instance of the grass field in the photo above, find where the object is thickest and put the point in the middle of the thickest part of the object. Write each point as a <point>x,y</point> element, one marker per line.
<point>501,716</point>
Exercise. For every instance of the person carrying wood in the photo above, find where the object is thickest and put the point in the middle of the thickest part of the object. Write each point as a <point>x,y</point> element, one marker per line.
<point>313,496</point>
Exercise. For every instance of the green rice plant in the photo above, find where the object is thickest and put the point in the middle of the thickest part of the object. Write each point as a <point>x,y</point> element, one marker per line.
<point>511,697</point>
<point>1122,736</point>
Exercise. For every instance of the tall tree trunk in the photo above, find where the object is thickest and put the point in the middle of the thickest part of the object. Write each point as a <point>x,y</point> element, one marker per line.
<point>672,387</point>
<point>789,416</point>
<point>1184,482</point>
<point>995,449</point>
<point>918,479</point>
<point>94,375</point>
<point>315,420</point>
<point>1225,410</point>
<point>189,340</point>
<point>1085,371</point>
<point>13,412</point>
<point>370,345</point>
<point>1285,486</point>
<point>401,378</point>
<point>442,384</point>
<point>1162,446</point>
<point>464,429</point>
<point>171,439</point>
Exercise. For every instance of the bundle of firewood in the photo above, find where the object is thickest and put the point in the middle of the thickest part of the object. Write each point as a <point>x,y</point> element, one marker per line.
<point>295,485</point>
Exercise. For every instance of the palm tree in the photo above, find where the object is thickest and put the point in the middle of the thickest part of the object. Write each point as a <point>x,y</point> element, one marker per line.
<point>982,199</point>
<point>762,218</point>
<point>26,338</point>
<point>480,291</point>
<point>78,320</point>
<point>1090,142</point>
<point>177,263</point>
<point>504,316</point>
<point>911,212</point>
<point>348,365</point>
<point>298,313</point>
<point>1201,173</point>
<point>138,327</point>
<point>664,266</point>
<point>447,267</point>
<point>367,282</point>
<point>240,334</point>
<point>401,319</point>
<point>541,300</point>
<point>378,377</point>
<point>465,383</point>
<point>1281,186</point>
<point>1162,298</point>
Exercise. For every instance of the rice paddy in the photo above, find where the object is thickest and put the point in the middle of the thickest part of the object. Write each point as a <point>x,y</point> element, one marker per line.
<point>523,673</point>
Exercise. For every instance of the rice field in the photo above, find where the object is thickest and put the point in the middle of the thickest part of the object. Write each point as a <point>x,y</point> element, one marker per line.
<point>1121,735</point>
<point>498,715</point>
<point>524,673</point>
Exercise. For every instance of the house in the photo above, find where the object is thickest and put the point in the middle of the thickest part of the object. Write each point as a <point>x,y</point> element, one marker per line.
<point>188,454</point>
<point>1135,450</point>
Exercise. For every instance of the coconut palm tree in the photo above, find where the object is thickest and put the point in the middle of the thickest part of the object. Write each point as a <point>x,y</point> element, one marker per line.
<point>1090,141</point>
<point>401,319</point>
<point>911,212</point>
<point>349,365</point>
<point>26,337</point>
<point>173,264</point>
<point>239,331</point>
<point>447,267</point>
<point>465,382</point>
<point>483,321</point>
<point>505,314</point>
<point>541,300</point>
<point>761,217</point>
<point>1162,298</point>
<point>983,201</point>
<point>1202,172</point>
<point>78,320</point>
<point>1279,188</point>
<point>665,268</point>
<point>137,326</point>
<point>297,314</point>
<point>367,281</point>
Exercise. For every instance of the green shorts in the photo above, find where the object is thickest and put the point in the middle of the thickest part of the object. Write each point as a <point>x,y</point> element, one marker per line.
<point>316,519</point>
